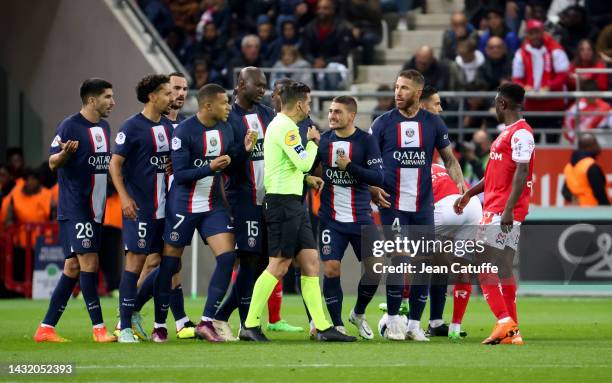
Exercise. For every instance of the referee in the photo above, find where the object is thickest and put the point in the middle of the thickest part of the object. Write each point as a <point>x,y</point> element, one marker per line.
<point>289,232</point>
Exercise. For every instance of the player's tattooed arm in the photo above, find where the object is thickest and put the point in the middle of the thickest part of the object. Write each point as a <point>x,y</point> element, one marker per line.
<point>128,205</point>
<point>58,160</point>
<point>452,167</point>
<point>519,182</point>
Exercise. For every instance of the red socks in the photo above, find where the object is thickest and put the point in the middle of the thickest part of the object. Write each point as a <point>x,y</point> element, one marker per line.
<point>461,297</point>
<point>274,303</point>
<point>508,288</point>
<point>493,295</point>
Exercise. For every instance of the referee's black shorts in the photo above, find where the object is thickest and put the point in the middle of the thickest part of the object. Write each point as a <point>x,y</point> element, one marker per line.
<point>289,229</point>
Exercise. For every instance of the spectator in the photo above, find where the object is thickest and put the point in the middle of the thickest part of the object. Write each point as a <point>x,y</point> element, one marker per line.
<point>438,73</point>
<point>290,59</point>
<point>111,249</point>
<point>7,182</point>
<point>203,75</point>
<point>270,48</point>
<point>299,9</point>
<point>185,14</point>
<point>575,26</point>
<point>536,9</point>
<point>288,32</point>
<point>604,44</point>
<point>210,48</point>
<point>176,41</point>
<point>366,23</point>
<point>246,13</point>
<point>469,59</point>
<point>582,110</point>
<point>29,203</point>
<point>384,103</point>
<point>497,65</point>
<point>326,44</point>
<point>216,12</point>
<point>477,104</point>
<point>586,58</point>
<point>15,164</point>
<point>541,65</point>
<point>471,167</point>
<point>482,143</point>
<point>497,27</point>
<point>249,56</point>
<point>585,181</point>
<point>159,15</point>
<point>460,30</point>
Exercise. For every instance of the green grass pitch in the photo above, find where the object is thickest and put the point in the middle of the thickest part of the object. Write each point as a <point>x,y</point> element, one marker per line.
<point>567,340</point>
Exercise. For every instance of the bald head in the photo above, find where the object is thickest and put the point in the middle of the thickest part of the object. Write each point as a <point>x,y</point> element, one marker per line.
<point>588,142</point>
<point>424,58</point>
<point>251,86</point>
<point>496,48</point>
<point>458,18</point>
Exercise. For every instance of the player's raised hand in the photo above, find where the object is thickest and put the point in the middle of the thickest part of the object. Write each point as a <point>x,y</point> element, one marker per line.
<point>220,163</point>
<point>315,182</point>
<point>313,134</point>
<point>379,196</point>
<point>342,162</point>
<point>129,207</point>
<point>461,203</point>
<point>69,146</point>
<point>250,140</point>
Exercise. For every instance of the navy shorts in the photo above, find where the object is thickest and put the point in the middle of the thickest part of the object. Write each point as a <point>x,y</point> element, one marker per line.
<point>398,221</point>
<point>79,236</point>
<point>249,228</point>
<point>143,236</point>
<point>334,238</point>
<point>180,227</point>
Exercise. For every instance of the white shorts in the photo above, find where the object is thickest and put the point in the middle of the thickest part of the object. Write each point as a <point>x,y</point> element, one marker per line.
<point>449,223</point>
<point>491,233</point>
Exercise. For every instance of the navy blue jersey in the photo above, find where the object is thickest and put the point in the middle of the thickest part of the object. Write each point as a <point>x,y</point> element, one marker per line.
<point>245,184</point>
<point>194,146</point>
<point>179,119</point>
<point>145,145</point>
<point>345,196</point>
<point>407,146</point>
<point>303,129</point>
<point>82,180</point>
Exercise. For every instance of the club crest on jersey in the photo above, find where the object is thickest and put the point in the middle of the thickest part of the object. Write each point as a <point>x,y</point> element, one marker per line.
<point>98,137</point>
<point>161,137</point>
<point>141,243</point>
<point>292,138</point>
<point>174,236</point>
<point>340,152</point>
<point>213,141</point>
<point>86,243</point>
<point>326,250</point>
<point>251,242</point>
<point>409,132</point>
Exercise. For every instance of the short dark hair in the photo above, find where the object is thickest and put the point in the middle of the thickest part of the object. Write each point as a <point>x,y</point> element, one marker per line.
<point>514,93</point>
<point>10,152</point>
<point>293,92</point>
<point>282,82</point>
<point>177,74</point>
<point>349,101</point>
<point>150,84</point>
<point>413,75</point>
<point>31,172</point>
<point>209,91</point>
<point>428,91</point>
<point>93,87</point>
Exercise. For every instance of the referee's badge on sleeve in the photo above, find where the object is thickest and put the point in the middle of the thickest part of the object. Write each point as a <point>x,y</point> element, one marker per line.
<point>292,137</point>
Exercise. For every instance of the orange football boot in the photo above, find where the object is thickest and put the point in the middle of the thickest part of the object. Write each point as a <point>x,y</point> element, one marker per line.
<point>48,334</point>
<point>501,331</point>
<point>515,339</point>
<point>100,335</point>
